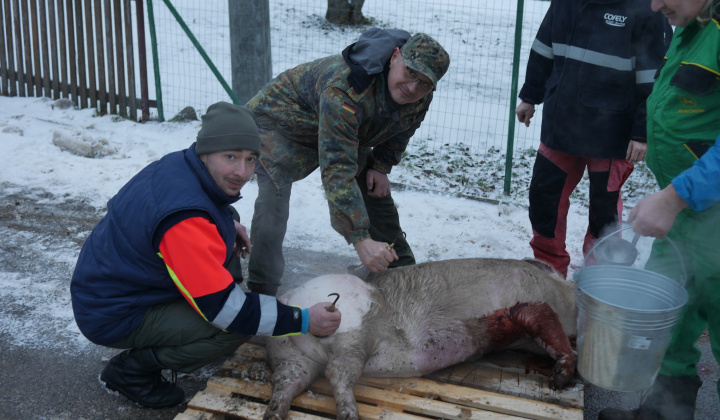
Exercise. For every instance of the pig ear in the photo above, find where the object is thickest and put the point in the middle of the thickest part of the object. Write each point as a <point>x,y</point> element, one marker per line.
<point>544,267</point>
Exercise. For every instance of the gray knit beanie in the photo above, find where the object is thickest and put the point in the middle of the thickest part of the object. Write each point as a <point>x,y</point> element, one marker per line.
<point>227,127</point>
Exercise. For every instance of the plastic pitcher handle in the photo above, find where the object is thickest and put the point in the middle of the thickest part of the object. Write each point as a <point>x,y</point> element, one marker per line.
<point>634,241</point>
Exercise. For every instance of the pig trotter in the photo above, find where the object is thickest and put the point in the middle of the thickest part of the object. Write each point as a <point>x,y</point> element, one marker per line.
<point>348,413</point>
<point>561,373</point>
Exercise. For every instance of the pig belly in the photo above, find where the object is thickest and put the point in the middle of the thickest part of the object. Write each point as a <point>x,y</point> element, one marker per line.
<point>425,353</point>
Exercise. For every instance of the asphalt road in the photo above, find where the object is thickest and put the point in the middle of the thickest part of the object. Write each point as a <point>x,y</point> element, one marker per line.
<point>46,374</point>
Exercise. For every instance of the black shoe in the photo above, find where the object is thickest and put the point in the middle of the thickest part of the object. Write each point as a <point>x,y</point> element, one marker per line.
<point>617,414</point>
<point>137,375</point>
<point>669,398</point>
<point>263,288</point>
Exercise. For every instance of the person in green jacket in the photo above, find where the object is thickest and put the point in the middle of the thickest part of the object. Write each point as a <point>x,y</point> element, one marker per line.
<point>351,115</point>
<point>683,134</point>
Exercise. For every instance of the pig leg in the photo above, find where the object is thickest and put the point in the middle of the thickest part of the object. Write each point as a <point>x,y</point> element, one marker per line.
<point>343,370</point>
<point>292,374</point>
<point>540,321</point>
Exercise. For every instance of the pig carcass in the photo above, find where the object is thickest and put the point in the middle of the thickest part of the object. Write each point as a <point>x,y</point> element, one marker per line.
<point>414,320</point>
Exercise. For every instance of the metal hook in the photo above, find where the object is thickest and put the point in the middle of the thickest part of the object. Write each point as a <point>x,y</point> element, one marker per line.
<point>331,308</point>
<point>392,245</point>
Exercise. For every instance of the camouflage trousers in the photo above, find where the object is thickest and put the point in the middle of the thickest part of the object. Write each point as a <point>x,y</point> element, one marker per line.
<point>269,225</point>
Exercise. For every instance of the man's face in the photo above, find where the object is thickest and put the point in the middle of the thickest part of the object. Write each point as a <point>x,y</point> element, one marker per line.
<point>230,169</point>
<point>678,12</point>
<point>406,85</point>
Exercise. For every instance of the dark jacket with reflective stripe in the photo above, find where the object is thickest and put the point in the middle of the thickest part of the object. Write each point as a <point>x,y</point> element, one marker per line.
<point>119,275</point>
<point>592,64</point>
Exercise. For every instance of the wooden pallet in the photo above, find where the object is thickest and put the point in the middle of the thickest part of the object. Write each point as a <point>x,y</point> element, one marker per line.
<point>497,387</point>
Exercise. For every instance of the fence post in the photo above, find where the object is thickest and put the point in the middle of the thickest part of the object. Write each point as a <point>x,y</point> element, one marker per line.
<point>249,46</point>
<point>513,96</point>
<point>156,64</point>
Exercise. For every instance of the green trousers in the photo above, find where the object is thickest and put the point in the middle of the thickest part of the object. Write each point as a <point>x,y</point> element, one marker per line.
<point>697,236</point>
<point>181,339</point>
<point>269,225</point>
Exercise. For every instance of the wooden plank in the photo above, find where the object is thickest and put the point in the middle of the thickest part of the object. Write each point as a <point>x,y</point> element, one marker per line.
<point>80,56</point>
<point>44,46</point>
<point>462,400</point>
<point>192,414</point>
<point>62,41</point>
<point>119,58</point>
<point>425,405</point>
<point>90,52</point>
<point>27,48</point>
<point>130,60</point>
<point>247,374</point>
<point>53,47</point>
<point>314,400</point>
<point>70,28</point>
<point>110,57</point>
<point>100,48</point>
<point>4,71</point>
<point>142,61</point>
<point>483,375</point>
<point>470,374</point>
<point>476,398</point>
<point>19,57</point>
<point>36,70</point>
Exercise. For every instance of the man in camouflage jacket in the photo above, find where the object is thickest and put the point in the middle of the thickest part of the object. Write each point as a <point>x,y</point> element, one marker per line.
<point>351,115</point>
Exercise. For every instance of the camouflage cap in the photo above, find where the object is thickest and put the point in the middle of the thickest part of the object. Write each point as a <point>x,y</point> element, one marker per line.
<point>424,54</point>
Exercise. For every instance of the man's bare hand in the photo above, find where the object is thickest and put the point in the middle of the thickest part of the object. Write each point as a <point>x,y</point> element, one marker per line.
<point>525,112</point>
<point>655,214</point>
<point>323,322</point>
<point>375,255</point>
<point>242,241</point>
<point>636,151</point>
<point>378,184</point>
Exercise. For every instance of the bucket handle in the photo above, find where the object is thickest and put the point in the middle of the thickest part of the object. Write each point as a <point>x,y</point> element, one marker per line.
<point>680,258</point>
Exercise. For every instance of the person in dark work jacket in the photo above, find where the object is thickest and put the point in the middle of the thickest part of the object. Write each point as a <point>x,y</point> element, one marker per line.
<point>592,65</point>
<point>351,115</point>
<point>152,275</point>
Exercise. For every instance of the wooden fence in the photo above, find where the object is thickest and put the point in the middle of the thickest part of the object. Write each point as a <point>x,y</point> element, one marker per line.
<point>76,49</point>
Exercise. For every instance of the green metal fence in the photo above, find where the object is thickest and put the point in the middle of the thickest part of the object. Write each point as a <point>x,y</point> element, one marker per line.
<point>471,120</point>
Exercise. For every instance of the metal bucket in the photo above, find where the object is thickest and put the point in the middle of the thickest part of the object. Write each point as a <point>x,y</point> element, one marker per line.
<point>626,318</point>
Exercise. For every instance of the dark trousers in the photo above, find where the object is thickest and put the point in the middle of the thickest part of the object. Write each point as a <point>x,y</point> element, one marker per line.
<point>181,339</point>
<point>269,225</point>
<point>555,177</point>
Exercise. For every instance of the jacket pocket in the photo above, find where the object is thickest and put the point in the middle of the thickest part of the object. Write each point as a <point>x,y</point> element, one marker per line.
<point>695,79</point>
<point>697,148</point>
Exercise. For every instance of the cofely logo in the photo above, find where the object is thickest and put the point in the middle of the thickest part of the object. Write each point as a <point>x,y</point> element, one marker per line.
<point>615,20</point>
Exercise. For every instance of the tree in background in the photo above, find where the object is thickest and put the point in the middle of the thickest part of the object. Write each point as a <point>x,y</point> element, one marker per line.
<point>345,12</point>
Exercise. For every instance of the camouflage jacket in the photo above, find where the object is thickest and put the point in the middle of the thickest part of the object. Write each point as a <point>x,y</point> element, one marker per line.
<point>310,116</point>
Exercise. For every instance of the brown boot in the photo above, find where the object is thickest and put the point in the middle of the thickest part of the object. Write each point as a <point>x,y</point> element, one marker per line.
<point>669,398</point>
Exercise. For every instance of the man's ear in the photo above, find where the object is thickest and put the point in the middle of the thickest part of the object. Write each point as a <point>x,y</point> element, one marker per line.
<point>395,54</point>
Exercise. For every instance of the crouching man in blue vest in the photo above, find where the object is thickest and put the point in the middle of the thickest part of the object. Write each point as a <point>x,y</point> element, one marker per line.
<point>152,276</point>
